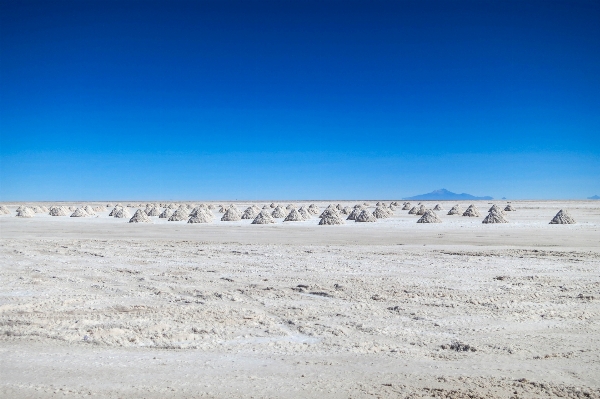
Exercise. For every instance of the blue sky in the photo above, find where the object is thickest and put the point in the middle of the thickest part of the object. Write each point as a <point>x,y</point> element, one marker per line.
<point>298,99</point>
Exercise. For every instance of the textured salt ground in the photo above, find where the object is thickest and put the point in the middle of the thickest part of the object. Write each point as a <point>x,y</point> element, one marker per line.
<point>246,311</point>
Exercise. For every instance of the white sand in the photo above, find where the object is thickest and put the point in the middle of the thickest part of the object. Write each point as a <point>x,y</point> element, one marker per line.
<point>99,306</point>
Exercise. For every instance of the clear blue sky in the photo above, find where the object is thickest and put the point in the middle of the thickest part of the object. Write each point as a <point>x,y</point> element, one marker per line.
<point>298,99</point>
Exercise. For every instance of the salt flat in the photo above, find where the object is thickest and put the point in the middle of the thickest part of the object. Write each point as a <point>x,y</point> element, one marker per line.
<point>98,306</point>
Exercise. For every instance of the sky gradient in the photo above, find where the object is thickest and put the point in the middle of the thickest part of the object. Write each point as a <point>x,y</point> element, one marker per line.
<point>298,99</point>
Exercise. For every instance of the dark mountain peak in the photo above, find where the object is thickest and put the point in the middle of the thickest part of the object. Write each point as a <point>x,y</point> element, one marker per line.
<point>443,194</point>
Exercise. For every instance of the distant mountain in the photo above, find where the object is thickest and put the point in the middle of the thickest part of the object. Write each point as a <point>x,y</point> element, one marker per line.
<point>443,194</point>
<point>594,197</point>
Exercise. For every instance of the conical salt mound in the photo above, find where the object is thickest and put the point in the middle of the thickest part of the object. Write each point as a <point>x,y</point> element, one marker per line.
<point>365,216</point>
<point>98,209</point>
<point>278,212</point>
<point>329,212</point>
<point>211,207</point>
<point>231,215</point>
<point>72,208</point>
<point>413,210</point>
<point>140,217</point>
<point>200,217</point>
<point>355,213</point>
<point>429,217</point>
<point>330,218</point>
<point>495,217</point>
<point>471,211</point>
<point>37,209</point>
<point>79,213</point>
<point>154,211</point>
<point>379,204</point>
<point>263,217</point>
<point>115,209</point>
<point>266,207</point>
<point>289,206</point>
<point>178,216</point>
<point>563,217</point>
<point>406,206</point>
<point>294,216</point>
<point>273,205</point>
<point>4,210</point>
<point>25,212</point>
<point>121,213</point>
<point>89,210</point>
<point>346,211</point>
<point>313,209</point>
<point>57,211</point>
<point>421,210</point>
<point>250,213</point>
<point>495,208</point>
<point>455,210</point>
<point>438,207</point>
<point>509,208</point>
<point>381,213</point>
<point>166,213</point>
<point>304,212</point>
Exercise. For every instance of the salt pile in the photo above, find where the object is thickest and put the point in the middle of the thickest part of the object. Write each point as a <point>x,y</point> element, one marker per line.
<point>231,215</point>
<point>98,209</point>
<point>266,207</point>
<point>413,210</point>
<point>25,212</point>
<point>115,209</point>
<point>37,209</point>
<point>211,207</point>
<point>563,217</point>
<point>294,216</point>
<point>355,213</point>
<point>406,206</point>
<point>79,213</point>
<point>121,213</point>
<point>140,217</point>
<point>57,211</point>
<point>495,217</point>
<point>172,206</point>
<point>330,217</point>
<point>438,207</point>
<point>495,208</point>
<point>304,212</point>
<point>264,217</point>
<point>455,210</point>
<point>201,216</point>
<point>364,216</point>
<point>429,217</point>
<point>278,212</point>
<point>166,214</point>
<point>4,210</point>
<point>509,208</point>
<point>381,213</point>
<point>273,205</point>
<point>346,211</point>
<point>421,210</point>
<point>471,211</point>
<point>89,210</point>
<point>109,205</point>
<point>222,209</point>
<point>290,206</point>
<point>250,213</point>
<point>313,209</point>
<point>178,216</point>
<point>153,211</point>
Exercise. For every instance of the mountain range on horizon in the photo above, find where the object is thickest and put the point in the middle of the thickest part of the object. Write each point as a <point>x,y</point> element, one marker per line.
<point>595,197</point>
<point>443,194</point>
